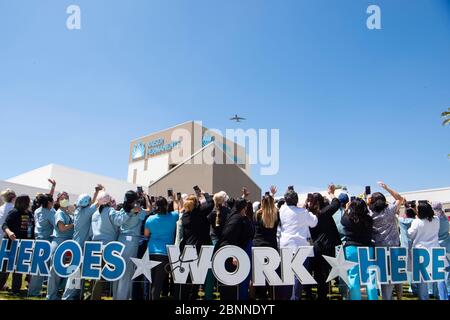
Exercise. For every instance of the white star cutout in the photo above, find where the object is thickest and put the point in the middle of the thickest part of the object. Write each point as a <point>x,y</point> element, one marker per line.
<point>339,266</point>
<point>144,266</point>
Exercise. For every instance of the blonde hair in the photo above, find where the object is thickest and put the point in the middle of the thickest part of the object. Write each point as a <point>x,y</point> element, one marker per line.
<point>219,199</point>
<point>190,203</point>
<point>268,212</point>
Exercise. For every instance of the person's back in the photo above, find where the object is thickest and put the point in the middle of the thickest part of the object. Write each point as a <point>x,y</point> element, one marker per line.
<point>385,230</point>
<point>163,227</point>
<point>103,228</point>
<point>82,223</point>
<point>294,226</point>
<point>45,222</point>
<point>264,236</point>
<point>358,233</point>
<point>195,223</point>
<point>425,233</point>
<point>325,234</point>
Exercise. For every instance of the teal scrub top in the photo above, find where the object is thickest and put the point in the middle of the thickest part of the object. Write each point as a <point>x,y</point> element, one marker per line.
<point>162,228</point>
<point>65,218</point>
<point>131,223</point>
<point>45,223</point>
<point>82,221</point>
<point>103,225</point>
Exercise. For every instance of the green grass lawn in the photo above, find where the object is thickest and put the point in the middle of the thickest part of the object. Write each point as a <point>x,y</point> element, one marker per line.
<point>333,296</point>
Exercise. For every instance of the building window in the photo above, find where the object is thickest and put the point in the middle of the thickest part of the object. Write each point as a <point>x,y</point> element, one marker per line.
<point>134,176</point>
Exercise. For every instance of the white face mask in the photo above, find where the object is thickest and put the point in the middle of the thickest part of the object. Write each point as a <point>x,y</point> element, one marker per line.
<point>64,203</point>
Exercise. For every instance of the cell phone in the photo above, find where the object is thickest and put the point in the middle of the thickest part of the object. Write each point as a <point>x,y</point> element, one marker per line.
<point>196,189</point>
<point>368,191</point>
<point>291,188</point>
<point>170,193</point>
<point>178,195</point>
<point>140,190</point>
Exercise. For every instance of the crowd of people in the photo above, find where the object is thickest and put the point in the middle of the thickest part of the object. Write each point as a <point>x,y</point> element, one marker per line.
<point>147,224</point>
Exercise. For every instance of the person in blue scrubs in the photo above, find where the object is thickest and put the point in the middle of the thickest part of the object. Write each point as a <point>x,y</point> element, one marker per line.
<point>63,231</point>
<point>160,228</point>
<point>85,208</point>
<point>130,220</point>
<point>45,223</point>
<point>104,229</point>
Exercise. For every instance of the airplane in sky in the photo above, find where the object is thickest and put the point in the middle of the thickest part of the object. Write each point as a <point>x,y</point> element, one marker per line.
<point>237,118</point>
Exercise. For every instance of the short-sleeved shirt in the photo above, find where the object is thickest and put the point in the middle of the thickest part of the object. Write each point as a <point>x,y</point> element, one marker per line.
<point>65,218</point>
<point>103,226</point>
<point>45,223</point>
<point>385,229</point>
<point>162,232</point>
<point>82,223</point>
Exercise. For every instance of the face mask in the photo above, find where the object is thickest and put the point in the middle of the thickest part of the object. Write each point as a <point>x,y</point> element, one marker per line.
<point>64,203</point>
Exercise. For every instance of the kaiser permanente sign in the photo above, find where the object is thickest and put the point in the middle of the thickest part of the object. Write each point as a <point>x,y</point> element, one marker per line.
<point>97,261</point>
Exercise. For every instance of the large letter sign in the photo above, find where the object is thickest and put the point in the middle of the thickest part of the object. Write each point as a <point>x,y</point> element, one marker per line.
<point>35,257</point>
<point>231,265</point>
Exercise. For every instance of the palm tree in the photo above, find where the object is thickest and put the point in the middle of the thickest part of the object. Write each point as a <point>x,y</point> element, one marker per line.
<point>446,117</point>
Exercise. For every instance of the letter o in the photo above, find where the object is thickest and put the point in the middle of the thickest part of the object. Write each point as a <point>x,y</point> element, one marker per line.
<point>243,268</point>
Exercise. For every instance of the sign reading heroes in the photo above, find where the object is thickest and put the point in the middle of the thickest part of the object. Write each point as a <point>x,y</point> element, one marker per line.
<point>388,265</point>
<point>33,257</point>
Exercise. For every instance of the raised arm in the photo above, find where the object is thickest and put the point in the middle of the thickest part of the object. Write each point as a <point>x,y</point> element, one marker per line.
<point>399,200</point>
<point>98,188</point>
<point>148,204</point>
<point>208,206</point>
<point>52,189</point>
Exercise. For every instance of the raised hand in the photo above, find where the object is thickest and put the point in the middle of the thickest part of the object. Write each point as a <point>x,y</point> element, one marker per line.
<point>273,190</point>
<point>52,182</point>
<point>382,184</point>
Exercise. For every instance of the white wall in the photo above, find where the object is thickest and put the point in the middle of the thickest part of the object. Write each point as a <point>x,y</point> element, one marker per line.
<point>157,167</point>
<point>73,181</point>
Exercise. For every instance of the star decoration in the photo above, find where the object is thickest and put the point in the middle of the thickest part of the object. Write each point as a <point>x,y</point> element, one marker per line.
<point>339,266</point>
<point>144,266</point>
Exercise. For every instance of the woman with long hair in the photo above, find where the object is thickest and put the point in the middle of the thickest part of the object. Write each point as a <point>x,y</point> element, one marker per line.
<point>195,232</point>
<point>424,233</point>
<point>357,226</point>
<point>217,219</point>
<point>325,237</point>
<point>266,222</point>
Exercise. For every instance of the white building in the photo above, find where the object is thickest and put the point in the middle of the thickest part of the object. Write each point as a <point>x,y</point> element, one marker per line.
<point>73,181</point>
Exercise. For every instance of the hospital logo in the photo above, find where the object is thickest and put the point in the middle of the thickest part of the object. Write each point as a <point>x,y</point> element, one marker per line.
<point>138,151</point>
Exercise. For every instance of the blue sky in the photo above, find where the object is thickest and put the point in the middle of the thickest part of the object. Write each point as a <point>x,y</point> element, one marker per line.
<point>353,105</point>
